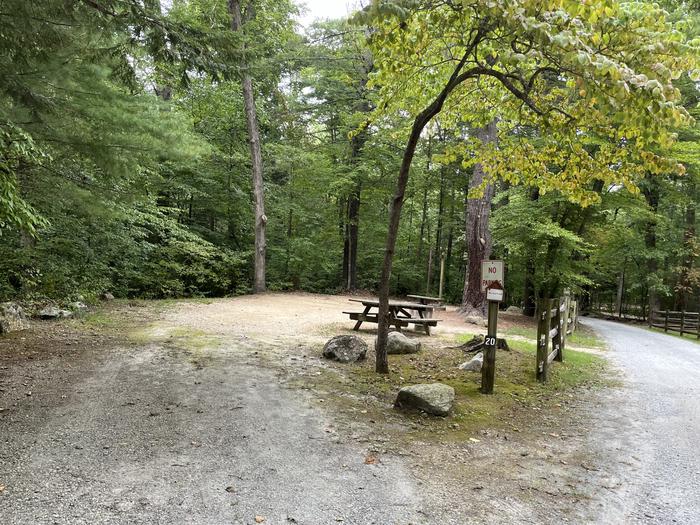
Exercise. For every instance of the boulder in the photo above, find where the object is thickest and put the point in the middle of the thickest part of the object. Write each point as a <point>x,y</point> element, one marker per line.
<point>514,310</point>
<point>345,348</point>
<point>397,343</point>
<point>435,398</point>
<point>12,318</point>
<point>477,320</point>
<point>474,364</point>
<point>107,296</point>
<point>51,312</point>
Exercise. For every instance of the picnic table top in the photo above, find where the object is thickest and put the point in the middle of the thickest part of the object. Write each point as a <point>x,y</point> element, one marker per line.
<point>425,298</point>
<point>395,304</point>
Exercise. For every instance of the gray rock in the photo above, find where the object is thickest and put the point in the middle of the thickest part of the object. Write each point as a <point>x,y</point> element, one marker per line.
<point>51,312</point>
<point>397,343</point>
<point>474,364</point>
<point>345,348</point>
<point>12,318</point>
<point>477,320</point>
<point>78,307</point>
<point>435,398</point>
<point>514,310</point>
<point>107,296</point>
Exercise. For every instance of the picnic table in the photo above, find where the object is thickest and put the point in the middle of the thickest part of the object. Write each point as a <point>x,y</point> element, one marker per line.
<point>401,315</point>
<point>436,302</point>
<point>424,299</point>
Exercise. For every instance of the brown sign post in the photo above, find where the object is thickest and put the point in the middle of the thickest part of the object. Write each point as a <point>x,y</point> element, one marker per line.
<point>494,295</point>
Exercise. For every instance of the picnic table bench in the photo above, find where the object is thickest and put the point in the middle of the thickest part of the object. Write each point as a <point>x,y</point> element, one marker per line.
<point>400,314</point>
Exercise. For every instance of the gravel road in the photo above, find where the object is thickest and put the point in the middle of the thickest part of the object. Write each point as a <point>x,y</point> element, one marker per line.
<point>153,437</point>
<point>651,427</point>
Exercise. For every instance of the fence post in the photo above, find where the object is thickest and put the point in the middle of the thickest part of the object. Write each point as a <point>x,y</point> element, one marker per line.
<point>666,322</point>
<point>544,320</point>
<point>565,325</point>
<point>682,320</point>
<point>557,339</point>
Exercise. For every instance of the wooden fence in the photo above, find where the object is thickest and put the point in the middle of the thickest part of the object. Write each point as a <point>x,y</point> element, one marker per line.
<point>682,322</point>
<point>556,318</point>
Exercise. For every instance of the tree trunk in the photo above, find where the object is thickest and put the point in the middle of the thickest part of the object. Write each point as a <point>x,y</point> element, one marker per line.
<point>255,155</point>
<point>651,195</point>
<point>479,242</point>
<point>620,289</point>
<point>685,283</point>
<point>353,230</point>
<point>419,123</point>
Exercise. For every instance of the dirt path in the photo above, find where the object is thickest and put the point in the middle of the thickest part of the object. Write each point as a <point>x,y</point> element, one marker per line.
<point>152,420</point>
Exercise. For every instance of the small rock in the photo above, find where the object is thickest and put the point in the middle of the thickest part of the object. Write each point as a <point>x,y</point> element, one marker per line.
<point>345,349</point>
<point>107,296</point>
<point>397,343</point>
<point>474,319</point>
<point>514,310</point>
<point>435,398</point>
<point>51,312</point>
<point>474,364</point>
<point>77,306</point>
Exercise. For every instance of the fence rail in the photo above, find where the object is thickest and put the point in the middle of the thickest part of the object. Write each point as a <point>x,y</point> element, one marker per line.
<point>556,318</point>
<point>682,322</point>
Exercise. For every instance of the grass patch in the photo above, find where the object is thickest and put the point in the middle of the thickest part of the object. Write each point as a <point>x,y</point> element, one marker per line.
<point>522,331</point>
<point>586,338</point>
<point>685,337</point>
<point>103,319</point>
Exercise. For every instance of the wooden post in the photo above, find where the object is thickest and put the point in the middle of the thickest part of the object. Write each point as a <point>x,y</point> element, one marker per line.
<point>564,325</point>
<point>442,274</point>
<point>666,322</point>
<point>488,369</point>
<point>682,321</point>
<point>556,340</point>
<point>544,317</point>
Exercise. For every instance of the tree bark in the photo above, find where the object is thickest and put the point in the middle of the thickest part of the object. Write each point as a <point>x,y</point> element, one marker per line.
<point>479,242</point>
<point>651,195</point>
<point>353,232</point>
<point>685,282</point>
<point>255,156</point>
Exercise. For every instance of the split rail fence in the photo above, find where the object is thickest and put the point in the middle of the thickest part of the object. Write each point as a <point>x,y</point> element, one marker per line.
<point>682,322</point>
<point>556,318</point>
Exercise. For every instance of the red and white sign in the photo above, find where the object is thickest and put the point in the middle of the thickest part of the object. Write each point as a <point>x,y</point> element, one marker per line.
<point>491,272</point>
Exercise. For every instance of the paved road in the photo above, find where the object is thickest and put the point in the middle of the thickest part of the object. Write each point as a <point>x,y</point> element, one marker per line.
<point>652,428</point>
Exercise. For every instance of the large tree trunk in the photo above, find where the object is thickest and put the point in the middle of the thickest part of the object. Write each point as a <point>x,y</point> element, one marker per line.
<point>255,156</point>
<point>479,242</point>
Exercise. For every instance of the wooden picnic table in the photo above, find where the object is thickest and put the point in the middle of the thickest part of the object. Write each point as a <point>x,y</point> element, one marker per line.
<point>424,299</point>
<point>400,314</point>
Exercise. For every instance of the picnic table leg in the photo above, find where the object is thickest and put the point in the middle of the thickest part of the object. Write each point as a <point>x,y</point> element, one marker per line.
<point>359,321</point>
<point>395,316</point>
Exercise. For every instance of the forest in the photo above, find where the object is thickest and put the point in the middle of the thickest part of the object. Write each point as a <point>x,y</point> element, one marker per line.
<point>206,148</point>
